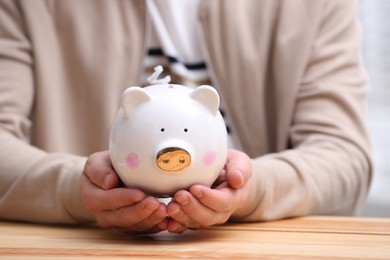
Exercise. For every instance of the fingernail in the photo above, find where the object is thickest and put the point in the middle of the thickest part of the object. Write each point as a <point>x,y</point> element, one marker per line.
<point>163,225</point>
<point>173,227</point>
<point>241,181</point>
<point>106,182</point>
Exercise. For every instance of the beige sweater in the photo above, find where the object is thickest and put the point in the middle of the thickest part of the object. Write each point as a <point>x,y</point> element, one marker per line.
<point>289,71</point>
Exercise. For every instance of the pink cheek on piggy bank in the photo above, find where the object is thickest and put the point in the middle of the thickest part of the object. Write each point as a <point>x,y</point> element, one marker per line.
<point>209,158</point>
<point>132,160</point>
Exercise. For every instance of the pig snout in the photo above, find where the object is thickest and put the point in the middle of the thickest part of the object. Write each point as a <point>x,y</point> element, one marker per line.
<point>173,159</point>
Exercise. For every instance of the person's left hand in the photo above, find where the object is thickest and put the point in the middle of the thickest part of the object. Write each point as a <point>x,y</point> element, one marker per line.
<point>201,206</point>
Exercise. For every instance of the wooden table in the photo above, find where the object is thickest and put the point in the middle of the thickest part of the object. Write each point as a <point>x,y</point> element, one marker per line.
<point>299,238</point>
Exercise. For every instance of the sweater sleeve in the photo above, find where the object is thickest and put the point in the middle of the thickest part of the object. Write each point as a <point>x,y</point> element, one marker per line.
<point>328,168</point>
<point>35,185</point>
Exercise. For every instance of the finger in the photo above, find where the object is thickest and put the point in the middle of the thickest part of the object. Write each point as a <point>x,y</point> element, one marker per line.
<point>98,169</point>
<point>238,168</point>
<point>175,212</point>
<point>157,221</point>
<point>217,200</point>
<point>130,215</point>
<point>163,225</point>
<point>220,180</point>
<point>96,199</point>
<point>178,220</point>
<point>132,231</point>
<point>193,214</point>
<point>175,227</point>
<point>235,177</point>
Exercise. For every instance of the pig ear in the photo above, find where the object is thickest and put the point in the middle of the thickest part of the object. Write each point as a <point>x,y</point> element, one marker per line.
<point>207,96</point>
<point>132,97</point>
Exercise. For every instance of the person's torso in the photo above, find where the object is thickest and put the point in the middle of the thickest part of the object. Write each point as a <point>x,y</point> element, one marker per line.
<point>88,52</point>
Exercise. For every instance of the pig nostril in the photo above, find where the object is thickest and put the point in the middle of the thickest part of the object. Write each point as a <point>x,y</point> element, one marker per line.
<point>165,159</point>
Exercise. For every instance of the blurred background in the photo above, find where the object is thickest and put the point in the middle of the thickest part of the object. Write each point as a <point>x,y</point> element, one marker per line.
<point>375,22</point>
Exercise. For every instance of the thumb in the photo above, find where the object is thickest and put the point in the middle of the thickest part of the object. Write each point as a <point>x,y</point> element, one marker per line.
<point>238,168</point>
<point>99,171</point>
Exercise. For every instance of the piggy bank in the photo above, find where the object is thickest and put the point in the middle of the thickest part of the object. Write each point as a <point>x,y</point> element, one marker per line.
<point>168,137</point>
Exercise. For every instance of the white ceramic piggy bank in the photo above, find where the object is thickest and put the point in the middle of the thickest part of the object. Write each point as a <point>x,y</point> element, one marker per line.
<point>167,137</point>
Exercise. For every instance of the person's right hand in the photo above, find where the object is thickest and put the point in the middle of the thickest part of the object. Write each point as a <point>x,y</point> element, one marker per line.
<point>124,209</point>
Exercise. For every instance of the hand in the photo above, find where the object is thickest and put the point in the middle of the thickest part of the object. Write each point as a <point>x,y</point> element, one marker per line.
<point>202,206</point>
<point>128,210</point>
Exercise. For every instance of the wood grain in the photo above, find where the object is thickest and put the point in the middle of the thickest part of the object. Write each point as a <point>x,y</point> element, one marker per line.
<point>298,238</point>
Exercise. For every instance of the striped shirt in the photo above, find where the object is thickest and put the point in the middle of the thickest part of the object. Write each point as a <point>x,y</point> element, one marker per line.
<point>175,42</point>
